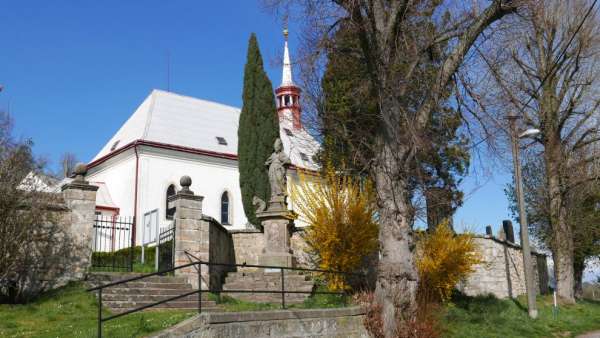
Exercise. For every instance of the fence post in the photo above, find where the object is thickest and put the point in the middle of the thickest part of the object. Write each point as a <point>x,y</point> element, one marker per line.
<point>190,235</point>
<point>199,288</point>
<point>282,290</point>
<point>80,198</point>
<point>99,313</point>
<point>131,251</point>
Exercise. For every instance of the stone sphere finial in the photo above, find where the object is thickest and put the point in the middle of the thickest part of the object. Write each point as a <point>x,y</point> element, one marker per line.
<point>80,170</point>
<point>186,182</point>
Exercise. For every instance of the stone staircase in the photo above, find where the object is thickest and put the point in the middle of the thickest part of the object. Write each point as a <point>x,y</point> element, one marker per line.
<point>261,280</point>
<point>127,296</point>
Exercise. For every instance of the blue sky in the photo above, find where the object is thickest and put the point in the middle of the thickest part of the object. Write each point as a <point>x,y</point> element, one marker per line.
<point>74,71</point>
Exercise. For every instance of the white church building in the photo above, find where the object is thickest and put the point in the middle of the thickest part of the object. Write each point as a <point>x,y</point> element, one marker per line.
<point>171,135</point>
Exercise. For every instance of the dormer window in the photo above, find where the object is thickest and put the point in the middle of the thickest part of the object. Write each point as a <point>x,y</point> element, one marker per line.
<point>114,146</point>
<point>288,132</point>
<point>221,140</point>
<point>304,157</point>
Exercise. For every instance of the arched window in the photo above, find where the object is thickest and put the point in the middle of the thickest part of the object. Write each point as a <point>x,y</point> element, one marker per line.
<point>169,212</point>
<point>225,208</point>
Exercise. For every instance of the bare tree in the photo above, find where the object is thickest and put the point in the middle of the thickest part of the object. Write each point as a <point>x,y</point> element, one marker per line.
<point>388,31</point>
<point>32,241</point>
<point>545,67</point>
<point>68,161</point>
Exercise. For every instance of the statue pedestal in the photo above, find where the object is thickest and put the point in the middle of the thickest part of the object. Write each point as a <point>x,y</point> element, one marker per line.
<point>278,224</point>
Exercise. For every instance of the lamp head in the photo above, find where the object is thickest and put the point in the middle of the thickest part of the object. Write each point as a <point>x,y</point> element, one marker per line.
<point>529,133</point>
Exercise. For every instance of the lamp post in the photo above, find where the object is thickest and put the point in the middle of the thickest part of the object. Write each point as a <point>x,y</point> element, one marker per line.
<point>527,264</point>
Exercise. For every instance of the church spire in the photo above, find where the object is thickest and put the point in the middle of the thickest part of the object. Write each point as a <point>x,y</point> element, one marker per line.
<point>288,94</point>
<point>286,79</point>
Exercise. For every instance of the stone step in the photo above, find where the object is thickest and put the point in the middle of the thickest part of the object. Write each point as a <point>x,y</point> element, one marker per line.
<point>145,291</point>
<point>293,286</point>
<point>230,278</point>
<point>204,309</point>
<point>268,298</point>
<point>108,278</point>
<point>176,304</point>
<point>149,298</point>
<point>150,285</point>
<point>262,274</point>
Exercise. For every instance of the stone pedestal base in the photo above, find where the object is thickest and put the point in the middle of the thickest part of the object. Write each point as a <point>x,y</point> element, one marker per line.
<point>278,226</point>
<point>276,259</point>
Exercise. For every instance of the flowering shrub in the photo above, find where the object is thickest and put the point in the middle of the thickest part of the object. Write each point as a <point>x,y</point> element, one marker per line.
<point>340,211</point>
<point>443,259</point>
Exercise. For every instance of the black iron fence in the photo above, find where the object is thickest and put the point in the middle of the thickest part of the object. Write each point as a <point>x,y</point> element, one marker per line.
<point>113,243</point>
<point>166,248</point>
<point>198,264</point>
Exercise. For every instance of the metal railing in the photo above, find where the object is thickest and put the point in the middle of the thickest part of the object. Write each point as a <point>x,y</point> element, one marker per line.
<point>113,243</point>
<point>200,290</point>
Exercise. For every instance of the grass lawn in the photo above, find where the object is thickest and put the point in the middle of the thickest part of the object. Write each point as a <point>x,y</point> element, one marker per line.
<point>72,312</point>
<point>489,317</point>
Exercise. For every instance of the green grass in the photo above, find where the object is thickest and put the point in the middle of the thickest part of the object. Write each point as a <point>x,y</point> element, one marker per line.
<point>490,317</point>
<point>72,312</point>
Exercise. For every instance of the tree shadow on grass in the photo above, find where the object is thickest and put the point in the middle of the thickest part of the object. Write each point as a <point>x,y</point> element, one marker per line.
<point>479,307</point>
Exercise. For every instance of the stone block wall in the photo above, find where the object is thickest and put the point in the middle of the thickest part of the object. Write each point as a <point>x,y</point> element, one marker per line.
<point>311,323</point>
<point>249,244</point>
<point>220,251</point>
<point>502,273</point>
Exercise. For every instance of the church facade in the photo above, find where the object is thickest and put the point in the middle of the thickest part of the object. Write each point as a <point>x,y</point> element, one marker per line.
<point>171,135</point>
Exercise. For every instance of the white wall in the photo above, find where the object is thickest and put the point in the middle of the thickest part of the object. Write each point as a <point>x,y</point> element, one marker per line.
<point>158,168</point>
<point>118,174</point>
<point>210,178</point>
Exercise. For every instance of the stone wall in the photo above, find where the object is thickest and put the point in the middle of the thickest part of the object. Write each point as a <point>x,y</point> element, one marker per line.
<point>300,250</point>
<point>342,322</point>
<point>249,244</point>
<point>502,273</point>
<point>220,251</point>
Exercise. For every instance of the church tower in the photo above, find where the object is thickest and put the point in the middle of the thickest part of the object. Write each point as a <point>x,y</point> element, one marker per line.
<point>288,94</point>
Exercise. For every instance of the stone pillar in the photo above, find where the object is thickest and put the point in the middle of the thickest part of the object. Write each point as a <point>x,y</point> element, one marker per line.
<point>508,230</point>
<point>278,225</point>
<point>191,232</point>
<point>80,197</point>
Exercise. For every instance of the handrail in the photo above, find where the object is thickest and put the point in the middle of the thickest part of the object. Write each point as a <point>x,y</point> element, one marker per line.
<point>199,291</point>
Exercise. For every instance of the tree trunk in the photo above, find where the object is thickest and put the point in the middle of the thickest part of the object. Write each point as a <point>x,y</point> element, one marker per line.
<point>562,241</point>
<point>396,285</point>
<point>578,268</point>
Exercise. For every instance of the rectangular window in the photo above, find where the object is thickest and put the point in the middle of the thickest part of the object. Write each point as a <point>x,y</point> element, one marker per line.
<point>221,141</point>
<point>288,132</point>
<point>304,157</point>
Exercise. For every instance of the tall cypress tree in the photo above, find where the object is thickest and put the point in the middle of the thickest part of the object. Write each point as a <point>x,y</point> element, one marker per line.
<point>258,128</point>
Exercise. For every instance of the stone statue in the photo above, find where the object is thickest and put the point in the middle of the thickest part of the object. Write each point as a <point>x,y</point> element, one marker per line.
<point>278,163</point>
<point>259,204</point>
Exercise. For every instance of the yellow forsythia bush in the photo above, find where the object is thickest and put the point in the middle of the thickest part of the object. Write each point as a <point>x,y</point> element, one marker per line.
<point>443,259</point>
<point>340,212</point>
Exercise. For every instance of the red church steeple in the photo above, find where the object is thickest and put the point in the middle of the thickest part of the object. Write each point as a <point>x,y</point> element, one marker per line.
<point>288,94</point>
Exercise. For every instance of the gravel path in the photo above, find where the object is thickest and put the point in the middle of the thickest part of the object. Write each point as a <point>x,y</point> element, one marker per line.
<point>595,334</point>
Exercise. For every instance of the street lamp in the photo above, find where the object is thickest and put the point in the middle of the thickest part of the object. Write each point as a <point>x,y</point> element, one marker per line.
<point>527,265</point>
